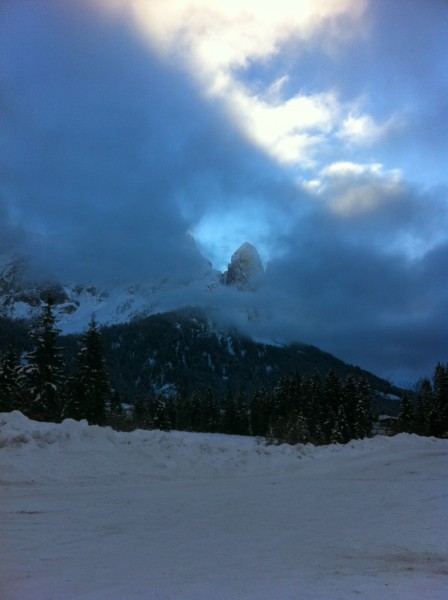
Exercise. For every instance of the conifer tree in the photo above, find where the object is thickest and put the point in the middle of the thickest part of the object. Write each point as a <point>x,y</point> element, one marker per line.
<point>281,405</point>
<point>341,433</point>
<point>140,412</point>
<point>259,413</point>
<point>326,400</point>
<point>230,416</point>
<point>90,386</point>
<point>211,417</point>
<point>297,431</point>
<point>406,416</point>
<point>439,413</point>
<point>196,412</point>
<point>363,409</point>
<point>75,403</point>
<point>314,408</point>
<point>349,401</point>
<point>158,414</point>
<point>42,377</point>
<point>116,415</point>
<point>242,414</point>
<point>183,412</point>
<point>9,367</point>
<point>332,391</point>
<point>424,408</point>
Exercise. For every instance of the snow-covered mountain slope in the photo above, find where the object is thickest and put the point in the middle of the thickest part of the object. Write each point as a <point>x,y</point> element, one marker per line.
<point>22,293</point>
<point>92,514</point>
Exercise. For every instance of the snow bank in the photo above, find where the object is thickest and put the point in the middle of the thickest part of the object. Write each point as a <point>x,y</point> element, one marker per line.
<point>74,449</point>
<point>100,451</point>
<point>92,514</point>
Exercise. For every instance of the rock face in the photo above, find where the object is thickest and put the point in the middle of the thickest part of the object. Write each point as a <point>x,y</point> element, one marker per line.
<point>16,286</point>
<point>245,269</point>
<point>23,293</point>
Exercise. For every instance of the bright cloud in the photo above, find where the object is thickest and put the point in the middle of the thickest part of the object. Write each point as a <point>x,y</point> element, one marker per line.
<point>352,188</point>
<point>217,40</point>
<point>364,130</point>
<point>289,130</point>
<point>221,36</point>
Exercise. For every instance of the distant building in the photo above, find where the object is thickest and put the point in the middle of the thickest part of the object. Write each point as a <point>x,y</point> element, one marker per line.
<point>386,425</point>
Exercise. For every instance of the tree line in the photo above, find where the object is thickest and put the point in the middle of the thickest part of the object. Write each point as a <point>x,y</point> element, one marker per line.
<point>37,384</point>
<point>299,409</point>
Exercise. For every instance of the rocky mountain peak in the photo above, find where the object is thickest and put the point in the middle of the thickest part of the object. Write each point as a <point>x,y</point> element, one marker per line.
<point>19,286</point>
<point>244,269</point>
<point>23,290</point>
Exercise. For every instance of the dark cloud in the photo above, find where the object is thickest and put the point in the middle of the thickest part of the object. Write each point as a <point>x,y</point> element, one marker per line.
<point>339,285</point>
<point>11,237</point>
<point>345,289</point>
<point>112,156</point>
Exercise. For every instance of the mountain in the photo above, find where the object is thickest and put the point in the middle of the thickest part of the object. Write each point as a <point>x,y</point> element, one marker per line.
<point>152,346</point>
<point>23,293</point>
<point>245,269</point>
<point>184,350</point>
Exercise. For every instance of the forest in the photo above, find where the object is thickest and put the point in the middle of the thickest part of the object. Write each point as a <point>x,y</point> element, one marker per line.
<point>299,407</point>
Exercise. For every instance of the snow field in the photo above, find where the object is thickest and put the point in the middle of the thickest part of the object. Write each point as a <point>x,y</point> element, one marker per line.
<point>92,514</point>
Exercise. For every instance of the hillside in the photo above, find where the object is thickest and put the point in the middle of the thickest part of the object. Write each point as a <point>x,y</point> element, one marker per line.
<point>185,350</point>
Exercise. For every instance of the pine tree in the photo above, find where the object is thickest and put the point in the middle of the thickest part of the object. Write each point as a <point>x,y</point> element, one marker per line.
<point>212,413</point>
<point>116,416</point>
<point>425,404</point>
<point>341,433</point>
<point>363,409</point>
<point>183,412</point>
<point>314,406</point>
<point>349,401</point>
<point>9,367</point>
<point>326,410</point>
<point>90,386</point>
<point>281,404</point>
<point>141,418</point>
<point>406,416</point>
<point>42,377</point>
<point>439,414</point>
<point>230,416</point>
<point>196,411</point>
<point>242,414</point>
<point>75,402</point>
<point>297,431</point>
<point>332,391</point>
<point>259,413</point>
<point>158,414</point>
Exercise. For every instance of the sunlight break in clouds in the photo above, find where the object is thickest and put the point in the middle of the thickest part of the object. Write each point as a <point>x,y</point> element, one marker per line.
<point>353,188</point>
<point>216,40</point>
<point>363,130</point>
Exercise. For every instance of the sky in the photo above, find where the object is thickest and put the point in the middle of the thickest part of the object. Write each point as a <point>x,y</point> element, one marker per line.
<point>316,130</point>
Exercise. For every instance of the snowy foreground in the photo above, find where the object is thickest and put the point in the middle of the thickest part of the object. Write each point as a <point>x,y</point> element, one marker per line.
<point>91,514</point>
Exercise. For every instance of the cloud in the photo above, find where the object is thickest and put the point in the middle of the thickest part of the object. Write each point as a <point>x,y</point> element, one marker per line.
<point>221,37</point>
<point>350,188</point>
<point>289,130</point>
<point>360,297</point>
<point>364,130</point>
<point>113,156</point>
<point>11,237</point>
<point>119,144</point>
<point>218,41</point>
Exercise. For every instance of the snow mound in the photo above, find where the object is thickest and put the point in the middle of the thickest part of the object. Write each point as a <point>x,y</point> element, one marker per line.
<point>74,449</point>
<point>94,514</point>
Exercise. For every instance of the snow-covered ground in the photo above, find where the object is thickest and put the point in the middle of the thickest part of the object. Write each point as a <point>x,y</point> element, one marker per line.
<point>91,514</point>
